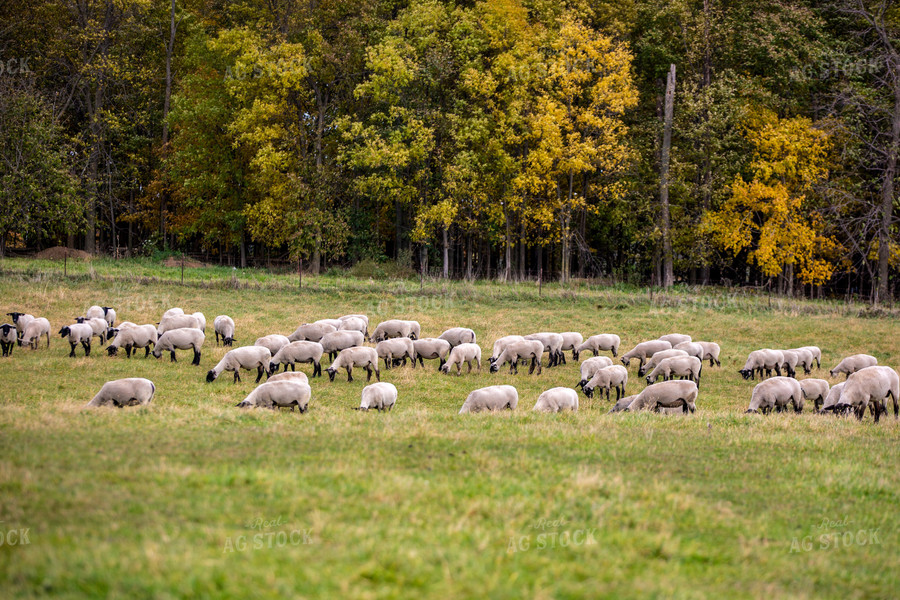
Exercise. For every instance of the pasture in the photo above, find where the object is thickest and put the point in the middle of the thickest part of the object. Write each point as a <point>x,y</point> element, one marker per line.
<point>191,497</point>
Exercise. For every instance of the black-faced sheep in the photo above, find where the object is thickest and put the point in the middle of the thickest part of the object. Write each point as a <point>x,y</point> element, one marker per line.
<point>463,353</point>
<point>552,345</point>
<point>380,396</point>
<point>20,320</point>
<point>311,332</point>
<point>675,338</point>
<point>760,361</point>
<point>776,393</point>
<point>431,348</point>
<point>501,344</point>
<point>180,339</point>
<point>458,335</point>
<point>871,386</point>
<point>133,391</point>
<point>491,398</point>
<point>688,367</point>
<point>279,394</point>
<point>668,394</point>
<point>245,357</point>
<point>334,342</point>
<point>657,358</point>
<point>358,356</point>
<point>590,367</point>
<point>273,342</point>
<point>178,322</point>
<point>131,338</point>
<point>395,349</point>
<point>36,328</point>
<point>396,328</point>
<point>8,337</point>
<point>596,343</point>
<point>530,350</point>
<point>78,333</point>
<point>854,363</point>
<point>223,325</point>
<point>645,350</point>
<point>815,390</point>
<point>557,399</point>
<point>355,324</point>
<point>607,378</point>
<point>298,352</point>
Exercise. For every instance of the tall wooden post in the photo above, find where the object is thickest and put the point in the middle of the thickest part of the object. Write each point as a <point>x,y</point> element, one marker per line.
<point>668,277</point>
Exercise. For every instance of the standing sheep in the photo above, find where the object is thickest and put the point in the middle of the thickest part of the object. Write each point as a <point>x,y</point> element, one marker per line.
<point>431,348</point>
<point>791,360</point>
<point>78,333</point>
<point>178,322</point>
<point>675,338</point>
<point>532,350</point>
<point>355,324</point>
<point>133,391</point>
<point>336,323</point>
<point>380,396</point>
<point>557,399</point>
<point>658,358</point>
<point>395,349</point>
<point>816,354</point>
<point>245,357</point>
<point>358,356</point>
<point>552,345</point>
<point>615,376</point>
<point>311,332</point>
<point>776,393</point>
<point>501,344</point>
<point>762,360</point>
<point>711,351</point>
<point>20,320</point>
<point>463,353</point>
<point>458,335</point>
<point>99,326</point>
<point>273,342</point>
<point>871,386</point>
<point>396,328</point>
<point>590,367</point>
<point>302,352</point>
<point>279,394</point>
<point>223,325</point>
<point>645,350</point>
<point>133,337</point>
<point>804,359</point>
<point>815,390</point>
<point>8,337</point>
<point>854,363</point>
<point>34,330</point>
<point>180,339</point>
<point>491,398</point>
<point>290,376</point>
<point>692,349</point>
<point>334,342</point>
<point>833,398</point>
<point>572,340</point>
<point>688,367</point>
<point>668,394</point>
<point>601,341</point>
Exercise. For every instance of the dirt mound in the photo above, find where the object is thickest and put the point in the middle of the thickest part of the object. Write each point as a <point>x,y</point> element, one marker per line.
<point>60,252</point>
<point>173,261</point>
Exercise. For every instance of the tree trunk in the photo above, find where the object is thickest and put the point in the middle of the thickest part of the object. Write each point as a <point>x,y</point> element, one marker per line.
<point>667,275</point>
<point>508,256</point>
<point>243,251</point>
<point>317,253</point>
<point>398,214</point>
<point>469,256</point>
<point>170,49</point>
<point>445,264</point>
<point>887,196</point>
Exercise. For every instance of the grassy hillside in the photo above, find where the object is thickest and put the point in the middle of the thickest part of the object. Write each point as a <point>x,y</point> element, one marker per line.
<point>165,501</point>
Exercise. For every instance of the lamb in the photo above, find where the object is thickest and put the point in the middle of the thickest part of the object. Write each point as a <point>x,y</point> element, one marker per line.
<point>201,320</point>
<point>668,394</point>
<point>180,339</point>
<point>99,326</point>
<point>692,349</point>
<point>463,353</point>
<point>245,357</point>
<point>274,342</point>
<point>34,330</point>
<point>615,376</point>
<point>223,325</point>
<point>501,344</point>
<point>380,396</point>
<point>354,324</point>
<point>8,337</point>
<point>854,363</point>
<point>776,393</point>
<point>532,350</point>
<point>601,341</point>
<point>302,352</point>
<point>395,349</point>
<point>311,332</point>
<point>762,360</point>
<point>557,399</point>
<point>133,391</point>
<point>816,354</point>
<point>458,335</point>
<point>290,376</point>
<point>791,360</point>
<point>711,352</point>
<point>815,390</point>
<point>682,366</point>
<point>590,367</point>
<point>334,342</point>
<point>396,328</point>
<point>278,394</point>
<point>178,322</point>
<point>833,398</point>
<point>657,358</point>
<point>552,344</point>
<point>571,341</point>
<point>675,338</point>
<point>133,337</point>
<point>491,398</point>
<point>78,333</point>
<point>358,356</point>
<point>871,386</point>
<point>645,350</point>
<point>21,320</point>
<point>432,348</point>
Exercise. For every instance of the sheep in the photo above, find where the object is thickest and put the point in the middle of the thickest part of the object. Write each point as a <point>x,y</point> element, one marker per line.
<point>180,339</point>
<point>34,330</point>
<point>557,399</point>
<point>20,320</point>
<point>816,354</point>
<point>99,326</point>
<point>871,386</point>
<point>645,350</point>
<point>458,335</point>
<point>336,341</point>
<point>657,358</point>
<point>596,343</point>
<point>223,325</point>
<point>491,398</point>
<point>776,393</point>
<point>854,363</point>
<point>290,376</point>
<point>791,360</point>
<point>133,337</point>
<point>363,317</point>
<point>675,338</point>
<point>668,394</point>
<point>467,353</point>
<point>8,337</point>
<point>278,394</point>
<point>590,367</point>
<point>432,348</point>
<point>311,332</point>
<point>395,349</point>
<point>355,324</point>
<point>571,341</point>
<point>133,391</point>
<point>302,352</point>
<point>711,352</point>
<point>274,342</point>
<point>336,323</point>
<point>95,312</point>
<point>833,398</point>
<point>178,322</point>
<point>552,345</point>
<point>111,332</point>
<point>380,396</point>
<point>245,357</point>
<point>526,349</point>
<point>396,328</point>
<point>615,376</point>
<point>358,356</point>
<point>682,366</point>
<point>501,344</point>
<point>804,359</point>
<point>201,320</point>
<point>109,315</point>
<point>625,402</point>
<point>692,349</point>
<point>815,390</point>
<point>78,333</point>
<point>762,360</point>
<point>172,312</point>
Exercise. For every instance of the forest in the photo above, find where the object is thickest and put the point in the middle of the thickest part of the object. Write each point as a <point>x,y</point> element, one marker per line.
<point>657,142</point>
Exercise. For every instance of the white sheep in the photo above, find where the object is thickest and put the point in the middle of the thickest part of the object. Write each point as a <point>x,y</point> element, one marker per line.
<point>273,342</point>
<point>657,358</point>
<point>180,339</point>
<point>78,333</point>
<point>354,324</point>
<point>99,326</point>
<point>760,361</point>
<point>336,341</point>
<point>109,314</point>
<point>201,320</point>
<point>290,376</point>
<point>458,335</point>
<point>804,359</point>
<point>776,393</point>
<point>645,350</point>
<point>529,350</point>
<point>178,322</point>
<point>491,398</point>
<point>298,352</point>
<point>336,323</point>
<point>688,367</point>
<point>816,353</point>
<point>245,357</point>
<point>363,317</point>
<point>711,351</point>
<point>279,394</point>
<point>571,341</point>
<point>431,348</point>
<point>815,390</point>
<point>358,356</point>
<point>601,341</point>
<point>668,394</point>
<point>625,402</point>
<point>95,312</point>
<point>395,349</point>
<point>501,343</point>
<point>8,337</point>
<point>34,330</point>
<point>552,345</point>
<point>20,320</point>
<point>311,332</point>
<point>380,396</point>
<point>396,328</point>
<point>133,391</point>
<point>133,337</point>
<point>557,399</point>
<point>791,360</point>
<point>590,367</point>
<point>870,386</point>
<point>675,338</point>
<point>854,363</point>
<point>833,398</point>
<point>463,353</point>
<point>172,312</point>
<point>111,332</point>
<point>223,325</point>
<point>607,378</point>
<point>692,349</point>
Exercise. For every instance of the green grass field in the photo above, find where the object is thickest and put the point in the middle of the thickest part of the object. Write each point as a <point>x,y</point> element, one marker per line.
<point>191,497</point>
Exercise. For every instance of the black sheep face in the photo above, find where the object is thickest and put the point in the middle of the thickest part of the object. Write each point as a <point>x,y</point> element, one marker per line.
<point>64,332</point>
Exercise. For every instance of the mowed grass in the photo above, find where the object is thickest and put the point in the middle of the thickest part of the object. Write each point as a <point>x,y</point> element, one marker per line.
<point>165,501</point>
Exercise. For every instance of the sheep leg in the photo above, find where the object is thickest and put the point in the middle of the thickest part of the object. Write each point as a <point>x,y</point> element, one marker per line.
<point>377,373</point>
<point>293,368</point>
<point>87,348</point>
<point>368,373</point>
<point>128,351</point>
<point>259,373</point>
<point>349,373</point>
<point>562,356</point>
<point>72,353</point>
<point>441,363</point>
<point>172,356</point>
<point>146,350</point>
<point>196,360</point>
<point>317,369</point>
<point>597,353</point>
<point>217,338</point>
<point>237,376</point>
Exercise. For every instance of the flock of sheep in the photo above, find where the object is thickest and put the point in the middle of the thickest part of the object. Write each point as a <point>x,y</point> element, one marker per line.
<point>398,341</point>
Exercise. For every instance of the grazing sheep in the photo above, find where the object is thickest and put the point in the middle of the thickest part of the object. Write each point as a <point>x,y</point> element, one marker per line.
<point>201,320</point>
<point>804,359</point>
<point>816,354</point>
<point>688,367</point>
<point>311,332</point>
<point>380,396</point>
<point>871,386</point>
<point>711,352</point>
<point>463,353</point>
<point>395,349</point>
<point>590,367</point>
<point>596,343</point>
<point>432,348</point>
<point>615,376</point>
<point>396,328</point>
<point>675,338</point>
<point>111,332</point>
<point>223,325</point>
<point>657,358</point>
<point>358,356</point>
<point>557,399</point>
<point>552,344</point>
<point>776,393</point>
<point>78,333</point>
<point>20,320</point>
<point>645,350</point>
<point>458,335</point>
<point>133,391</point>
<point>532,350</point>
<point>172,312</point>
<point>355,324</point>
<point>625,402</point>
<point>8,337</point>
<point>290,376</point>
<point>279,394</point>
<point>833,398</point>
<point>273,342</point>
<point>99,326</point>
<point>791,360</point>
<point>178,322</point>
<point>302,352</point>
<point>363,317</point>
<point>336,341</point>
<point>692,349</point>
<point>571,341</point>
<point>501,344</point>
<point>109,314</point>
<point>668,394</point>
<point>245,357</point>
<point>491,398</point>
<point>854,363</point>
<point>130,338</point>
<point>180,339</point>
<point>762,360</point>
<point>336,323</point>
<point>815,390</point>
<point>34,330</point>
